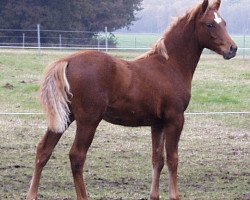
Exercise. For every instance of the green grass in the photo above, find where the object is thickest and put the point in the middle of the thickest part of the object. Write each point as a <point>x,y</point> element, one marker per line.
<point>148,40</point>
<point>214,150</point>
<point>136,40</point>
<point>220,85</point>
<point>23,71</point>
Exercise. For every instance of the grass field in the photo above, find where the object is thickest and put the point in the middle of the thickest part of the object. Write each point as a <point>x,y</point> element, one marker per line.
<point>214,149</point>
<point>126,40</point>
<point>148,39</point>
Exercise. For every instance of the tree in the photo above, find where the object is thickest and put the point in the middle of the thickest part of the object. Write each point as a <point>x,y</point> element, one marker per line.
<point>83,15</point>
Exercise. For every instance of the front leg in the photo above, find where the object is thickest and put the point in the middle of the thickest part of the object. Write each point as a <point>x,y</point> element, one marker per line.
<point>157,160</point>
<point>172,135</point>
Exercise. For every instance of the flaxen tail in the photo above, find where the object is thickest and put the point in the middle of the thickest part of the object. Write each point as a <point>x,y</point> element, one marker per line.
<point>54,96</point>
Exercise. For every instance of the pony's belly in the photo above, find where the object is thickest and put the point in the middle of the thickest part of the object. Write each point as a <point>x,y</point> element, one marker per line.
<point>128,117</point>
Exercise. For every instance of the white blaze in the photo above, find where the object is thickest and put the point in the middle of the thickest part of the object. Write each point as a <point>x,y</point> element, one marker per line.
<point>217,18</point>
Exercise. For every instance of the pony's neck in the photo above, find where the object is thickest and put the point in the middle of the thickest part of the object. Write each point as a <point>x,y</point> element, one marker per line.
<point>182,45</point>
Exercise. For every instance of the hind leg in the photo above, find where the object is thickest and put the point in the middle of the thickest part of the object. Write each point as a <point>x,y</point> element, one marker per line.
<point>43,153</point>
<point>84,136</point>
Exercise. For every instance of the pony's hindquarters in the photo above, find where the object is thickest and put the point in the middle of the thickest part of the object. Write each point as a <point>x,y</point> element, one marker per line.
<point>54,96</point>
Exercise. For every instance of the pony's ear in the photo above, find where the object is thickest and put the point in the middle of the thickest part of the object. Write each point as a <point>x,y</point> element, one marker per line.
<point>216,5</point>
<point>204,6</point>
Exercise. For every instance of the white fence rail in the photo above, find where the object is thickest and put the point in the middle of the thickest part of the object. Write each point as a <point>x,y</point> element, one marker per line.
<point>187,113</point>
<point>77,40</point>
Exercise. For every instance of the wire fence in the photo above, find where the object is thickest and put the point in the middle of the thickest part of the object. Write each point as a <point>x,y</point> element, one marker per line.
<point>61,39</point>
<point>38,38</point>
<point>187,113</point>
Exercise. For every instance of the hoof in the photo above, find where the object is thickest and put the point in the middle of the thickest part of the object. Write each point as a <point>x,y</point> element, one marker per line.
<point>154,198</point>
<point>30,197</point>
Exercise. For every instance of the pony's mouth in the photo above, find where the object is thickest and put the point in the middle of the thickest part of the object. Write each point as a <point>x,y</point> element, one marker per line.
<point>231,53</point>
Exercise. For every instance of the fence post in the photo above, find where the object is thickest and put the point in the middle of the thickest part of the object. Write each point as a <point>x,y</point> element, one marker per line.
<point>38,39</point>
<point>23,40</point>
<point>244,45</point>
<point>106,38</point>
<point>98,43</point>
<point>60,41</point>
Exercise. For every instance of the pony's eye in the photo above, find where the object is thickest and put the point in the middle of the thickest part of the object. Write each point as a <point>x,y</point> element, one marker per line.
<point>209,25</point>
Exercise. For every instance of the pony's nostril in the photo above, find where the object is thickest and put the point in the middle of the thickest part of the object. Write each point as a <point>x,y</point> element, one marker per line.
<point>233,48</point>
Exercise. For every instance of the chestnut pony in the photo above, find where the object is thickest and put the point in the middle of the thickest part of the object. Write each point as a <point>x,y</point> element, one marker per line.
<point>152,90</point>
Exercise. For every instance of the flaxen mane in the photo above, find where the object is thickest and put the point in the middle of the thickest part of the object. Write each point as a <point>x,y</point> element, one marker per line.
<point>160,47</point>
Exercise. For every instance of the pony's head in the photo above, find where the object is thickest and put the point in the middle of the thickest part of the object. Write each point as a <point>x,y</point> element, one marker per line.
<point>211,30</point>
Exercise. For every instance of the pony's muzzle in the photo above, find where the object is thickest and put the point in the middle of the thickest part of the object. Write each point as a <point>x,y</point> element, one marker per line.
<point>231,52</point>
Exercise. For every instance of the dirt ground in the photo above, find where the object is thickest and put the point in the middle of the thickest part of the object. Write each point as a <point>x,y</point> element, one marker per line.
<point>214,161</point>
